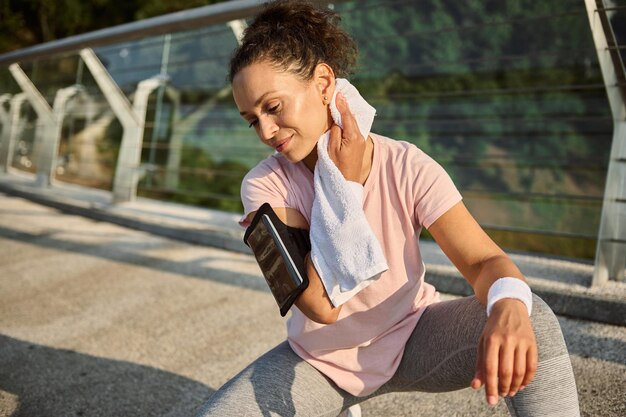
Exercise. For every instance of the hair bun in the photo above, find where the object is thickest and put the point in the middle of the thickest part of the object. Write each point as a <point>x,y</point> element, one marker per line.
<point>296,36</point>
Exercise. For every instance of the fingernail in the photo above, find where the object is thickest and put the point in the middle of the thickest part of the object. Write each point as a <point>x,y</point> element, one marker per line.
<point>492,400</point>
<point>512,393</point>
<point>522,387</point>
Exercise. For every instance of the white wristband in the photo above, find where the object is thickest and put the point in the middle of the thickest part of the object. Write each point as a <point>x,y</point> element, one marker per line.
<point>509,288</point>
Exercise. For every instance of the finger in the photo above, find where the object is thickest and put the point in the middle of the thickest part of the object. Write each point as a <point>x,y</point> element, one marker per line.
<point>334,141</point>
<point>479,378</point>
<point>505,369</point>
<point>519,371</point>
<point>531,365</point>
<point>342,105</point>
<point>350,127</point>
<point>491,361</point>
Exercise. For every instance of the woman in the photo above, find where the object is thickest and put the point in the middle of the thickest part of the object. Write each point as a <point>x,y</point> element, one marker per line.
<point>394,335</point>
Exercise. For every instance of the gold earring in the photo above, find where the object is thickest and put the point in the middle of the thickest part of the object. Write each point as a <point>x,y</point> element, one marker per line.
<point>325,99</point>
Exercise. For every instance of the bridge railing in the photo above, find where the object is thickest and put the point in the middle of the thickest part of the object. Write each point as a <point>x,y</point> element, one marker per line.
<point>510,97</point>
<point>607,21</point>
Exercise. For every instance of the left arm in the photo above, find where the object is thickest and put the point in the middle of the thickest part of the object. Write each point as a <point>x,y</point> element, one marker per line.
<point>507,351</point>
<point>469,248</point>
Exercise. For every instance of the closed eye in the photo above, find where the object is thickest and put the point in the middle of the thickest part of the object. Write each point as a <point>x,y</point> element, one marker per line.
<point>273,109</point>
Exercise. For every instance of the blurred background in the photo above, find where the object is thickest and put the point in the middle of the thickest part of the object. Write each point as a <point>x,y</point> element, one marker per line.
<point>507,95</point>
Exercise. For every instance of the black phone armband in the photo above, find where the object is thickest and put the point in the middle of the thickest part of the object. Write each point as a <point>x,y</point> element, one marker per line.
<point>280,251</point>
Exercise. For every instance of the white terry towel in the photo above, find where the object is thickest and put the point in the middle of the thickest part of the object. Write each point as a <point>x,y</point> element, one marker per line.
<point>344,249</point>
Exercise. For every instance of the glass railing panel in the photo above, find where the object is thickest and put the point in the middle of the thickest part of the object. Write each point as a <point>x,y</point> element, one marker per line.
<point>507,96</point>
<point>89,143</point>
<point>131,62</point>
<point>196,148</point>
<point>50,74</point>
<point>198,59</point>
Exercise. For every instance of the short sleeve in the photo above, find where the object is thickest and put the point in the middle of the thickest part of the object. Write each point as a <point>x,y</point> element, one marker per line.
<point>265,183</point>
<point>434,191</point>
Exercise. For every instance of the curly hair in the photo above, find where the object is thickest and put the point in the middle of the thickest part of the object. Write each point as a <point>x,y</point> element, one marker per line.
<point>296,36</point>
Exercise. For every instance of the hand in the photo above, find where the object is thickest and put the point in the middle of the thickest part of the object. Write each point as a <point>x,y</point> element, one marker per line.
<point>346,147</point>
<point>507,351</point>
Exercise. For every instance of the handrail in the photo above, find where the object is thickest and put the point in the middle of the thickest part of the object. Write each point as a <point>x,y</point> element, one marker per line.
<point>491,102</point>
<point>172,22</point>
<point>179,21</point>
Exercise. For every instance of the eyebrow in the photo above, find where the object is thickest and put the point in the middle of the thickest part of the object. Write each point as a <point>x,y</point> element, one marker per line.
<point>256,103</point>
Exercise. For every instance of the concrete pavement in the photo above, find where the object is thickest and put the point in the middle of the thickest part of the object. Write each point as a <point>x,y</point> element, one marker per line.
<point>100,320</point>
<point>562,283</point>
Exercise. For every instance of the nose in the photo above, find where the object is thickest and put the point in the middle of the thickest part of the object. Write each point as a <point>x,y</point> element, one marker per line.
<point>267,128</point>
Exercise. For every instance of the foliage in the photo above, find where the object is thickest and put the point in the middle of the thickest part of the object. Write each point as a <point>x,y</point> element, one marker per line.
<point>201,181</point>
<point>506,94</point>
<point>29,22</point>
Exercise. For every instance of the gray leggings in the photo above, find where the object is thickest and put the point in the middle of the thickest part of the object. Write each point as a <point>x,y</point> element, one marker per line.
<point>440,356</point>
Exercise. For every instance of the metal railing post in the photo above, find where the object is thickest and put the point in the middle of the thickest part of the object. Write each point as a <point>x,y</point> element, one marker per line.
<point>174,154</point>
<point>49,126</point>
<point>15,128</point>
<point>128,165</point>
<point>5,120</point>
<point>132,117</point>
<point>48,155</point>
<point>4,115</point>
<point>611,250</point>
<point>44,117</point>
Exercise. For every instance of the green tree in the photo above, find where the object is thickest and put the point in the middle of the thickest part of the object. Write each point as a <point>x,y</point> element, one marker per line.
<point>29,22</point>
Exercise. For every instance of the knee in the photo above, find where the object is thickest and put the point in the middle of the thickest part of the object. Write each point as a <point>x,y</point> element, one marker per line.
<point>230,399</point>
<point>550,342</point>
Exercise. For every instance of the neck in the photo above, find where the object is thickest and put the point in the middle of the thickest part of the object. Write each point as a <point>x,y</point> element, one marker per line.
<point>311,159</point>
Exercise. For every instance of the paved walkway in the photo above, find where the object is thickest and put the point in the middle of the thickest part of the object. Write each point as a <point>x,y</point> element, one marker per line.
<point>100,320</point>
<point>562,283</point>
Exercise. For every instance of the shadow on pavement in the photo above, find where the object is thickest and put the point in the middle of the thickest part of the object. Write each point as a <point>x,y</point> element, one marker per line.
<point>124,252</point>
<point>59,382</point>
<point>581,342</point>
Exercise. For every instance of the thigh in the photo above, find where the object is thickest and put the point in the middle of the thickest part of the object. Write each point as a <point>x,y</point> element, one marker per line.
<point>440,355</point>
<point>277,383</point>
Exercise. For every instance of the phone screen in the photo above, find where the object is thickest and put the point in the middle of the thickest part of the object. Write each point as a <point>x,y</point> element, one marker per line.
<point>275,262</point>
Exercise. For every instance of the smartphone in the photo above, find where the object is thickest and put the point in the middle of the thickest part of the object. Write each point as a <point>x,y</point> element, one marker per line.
<point>280,258</point>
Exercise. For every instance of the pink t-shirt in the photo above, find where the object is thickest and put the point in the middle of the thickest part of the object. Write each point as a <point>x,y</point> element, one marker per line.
<point>405,191</point>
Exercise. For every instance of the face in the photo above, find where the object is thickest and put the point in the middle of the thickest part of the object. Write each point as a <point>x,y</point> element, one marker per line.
<point>288,114</point>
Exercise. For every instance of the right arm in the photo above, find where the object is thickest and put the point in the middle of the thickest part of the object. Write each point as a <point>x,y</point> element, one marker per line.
<point>346,149</point>
<point>313,301</point>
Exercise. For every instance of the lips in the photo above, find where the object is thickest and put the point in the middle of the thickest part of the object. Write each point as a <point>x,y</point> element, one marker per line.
<point>280,146</point>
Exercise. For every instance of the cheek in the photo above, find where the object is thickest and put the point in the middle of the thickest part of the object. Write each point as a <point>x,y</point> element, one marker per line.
<point>316,119</point>
<point>306,114</point>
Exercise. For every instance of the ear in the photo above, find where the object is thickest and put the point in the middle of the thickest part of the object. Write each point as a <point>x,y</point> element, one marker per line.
<point>324,78</point>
